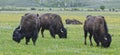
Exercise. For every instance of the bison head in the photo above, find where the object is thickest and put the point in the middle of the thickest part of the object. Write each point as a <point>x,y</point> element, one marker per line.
<point>106,40</point>
<point>17,35</point>
<point>63,33</point>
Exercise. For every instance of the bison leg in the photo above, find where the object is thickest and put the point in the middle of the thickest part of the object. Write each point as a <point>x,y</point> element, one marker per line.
<point>34,40</point>
<point>27,40</point>
<point>96,39</point>
<point>85,33</point>
<point>35,36</point>
<point>42,32</point>
<point>90,39</point>
<point>52,32</point>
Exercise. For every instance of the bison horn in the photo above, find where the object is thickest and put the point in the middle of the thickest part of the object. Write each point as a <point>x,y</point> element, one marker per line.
<point>61,30</point>
<point>19,29</point>
<point>105,38</point>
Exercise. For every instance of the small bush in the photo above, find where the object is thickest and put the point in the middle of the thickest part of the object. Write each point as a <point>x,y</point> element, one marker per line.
<point>75,9</point>
<point>33,9</point>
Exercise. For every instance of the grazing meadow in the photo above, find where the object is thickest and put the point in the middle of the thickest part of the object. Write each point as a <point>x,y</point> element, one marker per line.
<point>73,45</point>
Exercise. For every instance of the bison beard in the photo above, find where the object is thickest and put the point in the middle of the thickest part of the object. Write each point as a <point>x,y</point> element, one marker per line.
<point>53,23</point>
<point>28,28</point>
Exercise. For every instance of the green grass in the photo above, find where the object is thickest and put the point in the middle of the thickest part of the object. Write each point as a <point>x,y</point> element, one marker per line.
<point>73,45</point>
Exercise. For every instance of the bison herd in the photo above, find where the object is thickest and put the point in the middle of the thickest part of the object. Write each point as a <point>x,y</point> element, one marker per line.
<point>31,24</point>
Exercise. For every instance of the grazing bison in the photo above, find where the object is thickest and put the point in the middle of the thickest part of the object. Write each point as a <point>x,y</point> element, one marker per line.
<point>54,24</point>
<point>88,27</point>
<point>97,27</point>
<point>73,21</point>
<point>28,28</point>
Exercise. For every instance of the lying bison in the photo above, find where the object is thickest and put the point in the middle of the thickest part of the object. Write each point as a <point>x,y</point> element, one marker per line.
<point>28,28</point>
<point>54,24</point>
<point>97,27</point>
<point>72,21</point>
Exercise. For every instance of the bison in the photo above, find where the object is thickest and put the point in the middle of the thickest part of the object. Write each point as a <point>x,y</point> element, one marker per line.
<point>72,21</point>
<point>53,23</point>
<point>28,28</point>
<point>97,27</point>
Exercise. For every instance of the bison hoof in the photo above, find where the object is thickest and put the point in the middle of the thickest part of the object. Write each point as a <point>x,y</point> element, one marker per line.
<point>98,45</point>
<point>91,44</point>
<point>26,43</point>
<point>85,43</point>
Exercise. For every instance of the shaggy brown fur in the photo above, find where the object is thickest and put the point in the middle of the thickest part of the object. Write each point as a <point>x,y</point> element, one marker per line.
<point>97,27</point>
<point>54,24</point>
<point>28,28</point>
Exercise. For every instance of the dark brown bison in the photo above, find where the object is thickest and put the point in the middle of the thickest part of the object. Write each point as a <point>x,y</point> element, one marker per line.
<point>97,27</point>
<point>72,21</point>
<point>88,27</point>
<point>28,28</point>
<point>54,24</point>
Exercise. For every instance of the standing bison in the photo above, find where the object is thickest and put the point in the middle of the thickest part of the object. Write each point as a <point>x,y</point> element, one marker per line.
<point>54,24</point>
<point>28,28</point>
<point>97,27</point>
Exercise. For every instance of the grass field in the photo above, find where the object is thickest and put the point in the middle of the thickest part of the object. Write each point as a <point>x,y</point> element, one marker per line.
<point>73,45</point>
